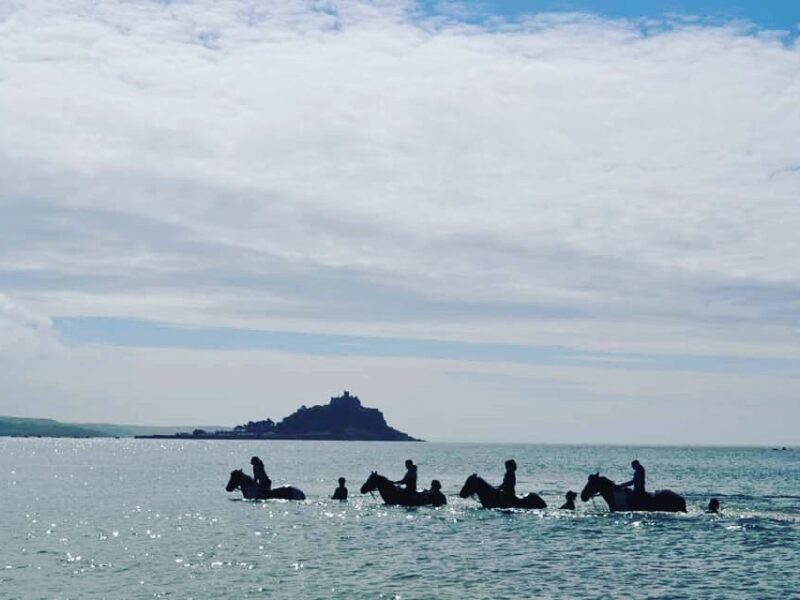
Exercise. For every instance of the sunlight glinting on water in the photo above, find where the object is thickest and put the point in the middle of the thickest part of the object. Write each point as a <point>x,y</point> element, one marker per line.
<point>125,518</point>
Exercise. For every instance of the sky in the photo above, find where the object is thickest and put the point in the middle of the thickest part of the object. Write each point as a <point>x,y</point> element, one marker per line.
<point>554,221</point>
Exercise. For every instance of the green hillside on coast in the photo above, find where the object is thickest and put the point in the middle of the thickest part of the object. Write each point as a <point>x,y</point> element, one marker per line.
<point>20,427</point>
<point>25,427</point>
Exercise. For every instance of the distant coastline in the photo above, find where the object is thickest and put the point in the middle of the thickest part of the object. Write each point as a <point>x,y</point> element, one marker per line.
<point>342,419</point>
<point>31,427</point>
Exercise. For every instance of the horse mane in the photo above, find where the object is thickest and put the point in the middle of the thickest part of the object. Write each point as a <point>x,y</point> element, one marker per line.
<point>377,481</point>
<point>604,481</point>
<point>374,475</point>
<point>609,480</point>
<point>245,477</point>
<point>479,481</point>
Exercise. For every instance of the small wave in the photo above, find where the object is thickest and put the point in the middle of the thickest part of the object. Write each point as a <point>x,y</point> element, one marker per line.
<point>706,495</point>
<point>786,496</point>
<point>775,518</point>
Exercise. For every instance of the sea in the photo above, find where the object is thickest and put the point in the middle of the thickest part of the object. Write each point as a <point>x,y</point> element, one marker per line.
<point>126,518</point>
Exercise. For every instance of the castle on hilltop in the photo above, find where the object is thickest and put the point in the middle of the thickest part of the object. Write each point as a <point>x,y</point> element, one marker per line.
<point>345,400</point>
<point>343,417</point>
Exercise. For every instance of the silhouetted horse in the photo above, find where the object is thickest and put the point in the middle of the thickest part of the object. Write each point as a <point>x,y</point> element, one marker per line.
<point>620,499</point>
<point>394,495</point>
<point>239,479</point>
<point>491,498</point>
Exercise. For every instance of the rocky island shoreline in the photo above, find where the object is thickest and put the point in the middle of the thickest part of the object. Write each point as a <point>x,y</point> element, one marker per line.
<point>344,418</point>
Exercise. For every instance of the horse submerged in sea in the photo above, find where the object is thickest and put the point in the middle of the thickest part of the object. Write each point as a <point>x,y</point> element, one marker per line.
<point>620,499</point>
<point>490,498</point>
<point>394,495</point>
<point>239,479</point>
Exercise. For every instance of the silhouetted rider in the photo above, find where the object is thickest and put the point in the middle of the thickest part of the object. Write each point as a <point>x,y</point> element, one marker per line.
<point>508,487</point>
<point>260,475</point>
<point>410,478</point>
<point>638,480</point>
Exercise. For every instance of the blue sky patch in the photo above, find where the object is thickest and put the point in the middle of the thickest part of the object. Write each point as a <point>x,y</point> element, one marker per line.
<point>769,14</point>
<point>148,334</point>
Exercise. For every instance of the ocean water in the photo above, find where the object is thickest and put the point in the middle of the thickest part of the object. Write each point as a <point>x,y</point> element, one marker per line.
<point>151,519</point>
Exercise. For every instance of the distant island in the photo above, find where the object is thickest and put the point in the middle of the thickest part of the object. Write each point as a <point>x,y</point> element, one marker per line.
<point>343,418</point>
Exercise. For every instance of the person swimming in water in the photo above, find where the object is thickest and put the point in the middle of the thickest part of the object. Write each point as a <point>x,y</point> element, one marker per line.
<point>509,486</point>
<point>260,475</point>
<point>570,503</point>
<point>435,495</point>
<point>410,478</point>
<point>340,493</point>
<point>713,506</point>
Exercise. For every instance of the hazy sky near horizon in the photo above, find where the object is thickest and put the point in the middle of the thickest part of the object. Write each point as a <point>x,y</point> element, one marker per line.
<point>570,221</point>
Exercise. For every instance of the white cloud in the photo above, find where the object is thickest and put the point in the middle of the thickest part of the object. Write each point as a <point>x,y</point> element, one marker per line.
<point>24,334</point>
<point>354,167</point>
<point>565,163</point>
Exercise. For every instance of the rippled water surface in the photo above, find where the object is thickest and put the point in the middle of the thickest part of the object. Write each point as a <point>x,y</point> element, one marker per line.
<point>151,519</point>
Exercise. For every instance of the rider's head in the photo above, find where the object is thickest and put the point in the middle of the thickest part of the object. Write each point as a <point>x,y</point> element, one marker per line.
<point>341,481</point>
<point>511,465</point>
<point>636,465</point>
<point>436,485</point>
<point>409,463</point>
<point>255,460</point>
<point>713,505</point>
<point>571,495</point>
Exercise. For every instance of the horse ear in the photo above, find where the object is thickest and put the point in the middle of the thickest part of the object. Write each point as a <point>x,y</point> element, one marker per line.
<point>597,474</point>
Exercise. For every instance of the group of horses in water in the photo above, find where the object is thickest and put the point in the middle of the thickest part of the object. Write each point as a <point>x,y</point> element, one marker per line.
<point>617,497</point>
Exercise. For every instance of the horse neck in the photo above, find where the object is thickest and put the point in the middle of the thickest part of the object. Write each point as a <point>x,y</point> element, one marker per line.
<point>247,484</point>
<point>606,488</point>
<point>386,488</point>
<point>483,488</point>
<point>383,483</point>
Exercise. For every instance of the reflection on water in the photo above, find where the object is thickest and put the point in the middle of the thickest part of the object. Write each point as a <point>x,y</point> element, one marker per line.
<point>136,519</point>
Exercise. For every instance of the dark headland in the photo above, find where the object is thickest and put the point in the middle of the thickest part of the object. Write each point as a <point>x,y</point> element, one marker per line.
<point>343,418</point>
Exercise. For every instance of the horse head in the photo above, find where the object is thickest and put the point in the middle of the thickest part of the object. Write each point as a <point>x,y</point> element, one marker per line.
<point>470,486</point>
<point>235,480</point>
<point>592,487</point>
<point>371,484</point>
